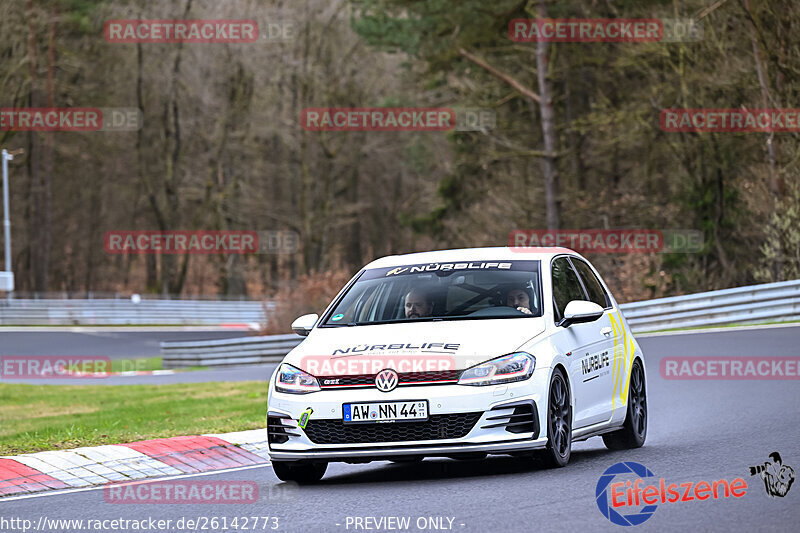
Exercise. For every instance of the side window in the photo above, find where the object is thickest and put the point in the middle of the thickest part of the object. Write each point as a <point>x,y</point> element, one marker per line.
<point>593,286</point>
<point>566,286</point>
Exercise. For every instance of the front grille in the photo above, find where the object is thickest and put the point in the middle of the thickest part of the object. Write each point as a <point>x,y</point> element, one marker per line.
<point>436,427</point>
<point>404,378</point>
<point>435,375</point>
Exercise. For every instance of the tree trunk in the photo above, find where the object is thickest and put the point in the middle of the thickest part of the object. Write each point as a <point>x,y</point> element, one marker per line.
<point>151,267</point>
<point>552,202</point>
<point>775,184</point>
<point>49,154</point>
<point>172,276</point>
<point>37,227</point>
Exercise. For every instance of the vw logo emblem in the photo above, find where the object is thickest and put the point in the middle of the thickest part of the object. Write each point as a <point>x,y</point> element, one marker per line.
<point>386,380</point>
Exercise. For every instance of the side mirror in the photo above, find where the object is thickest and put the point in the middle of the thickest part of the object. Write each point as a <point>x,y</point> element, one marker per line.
<point>580,311</point>
<point>304,324</point>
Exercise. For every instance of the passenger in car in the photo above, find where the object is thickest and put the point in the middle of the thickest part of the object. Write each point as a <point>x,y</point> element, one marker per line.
<point>418,304</point>
<point>519,299</point>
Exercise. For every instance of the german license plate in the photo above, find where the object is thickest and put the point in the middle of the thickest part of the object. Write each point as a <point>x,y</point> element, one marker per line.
<point>361,413</point>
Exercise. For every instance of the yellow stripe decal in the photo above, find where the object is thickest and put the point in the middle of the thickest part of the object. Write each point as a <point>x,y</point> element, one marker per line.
<point>622,392</point>
<point>629,363</point>
<point>621,366</point>
<point>615,372</point>
<point>623,369</point>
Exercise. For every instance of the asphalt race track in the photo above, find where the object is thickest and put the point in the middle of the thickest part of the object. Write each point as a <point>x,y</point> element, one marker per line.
<point>114,343</point>
<point>698,431</point>
<point>782,341</point>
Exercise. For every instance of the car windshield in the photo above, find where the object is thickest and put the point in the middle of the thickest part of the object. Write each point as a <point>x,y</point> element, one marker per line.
<point>441,291</point>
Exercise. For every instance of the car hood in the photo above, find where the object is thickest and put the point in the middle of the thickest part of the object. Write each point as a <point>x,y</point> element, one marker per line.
<point>455,344</point>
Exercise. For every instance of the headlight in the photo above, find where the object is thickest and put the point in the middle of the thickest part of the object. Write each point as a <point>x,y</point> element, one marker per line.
<point>513,367</point>
<point>295,381</point>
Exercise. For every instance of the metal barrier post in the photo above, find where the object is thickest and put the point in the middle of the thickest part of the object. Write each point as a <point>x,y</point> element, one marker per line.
<point>8,274</point>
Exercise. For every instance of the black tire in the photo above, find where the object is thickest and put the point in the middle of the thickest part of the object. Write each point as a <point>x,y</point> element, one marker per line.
<point>634,430</point>
<point>299,472</point>
<point>559,423</point>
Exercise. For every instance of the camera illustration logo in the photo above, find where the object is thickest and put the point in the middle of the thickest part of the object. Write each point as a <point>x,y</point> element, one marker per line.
<point>604,502</point>
<point>778,477</point>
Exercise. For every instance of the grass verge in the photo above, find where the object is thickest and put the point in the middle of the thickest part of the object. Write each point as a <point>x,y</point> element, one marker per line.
<point>137,365</point>
<point>49,417</point>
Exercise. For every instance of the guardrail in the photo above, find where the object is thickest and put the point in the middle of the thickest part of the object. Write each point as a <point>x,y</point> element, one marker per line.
<point>25,312</point>
<point>778,302</point>
<point>116,295</point>
<point>744,305</point>
<point>239,351</point>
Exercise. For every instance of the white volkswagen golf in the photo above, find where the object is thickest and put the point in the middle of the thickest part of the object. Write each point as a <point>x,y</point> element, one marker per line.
<point>459,353</point>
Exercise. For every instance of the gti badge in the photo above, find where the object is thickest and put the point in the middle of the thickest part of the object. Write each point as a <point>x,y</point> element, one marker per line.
<point>386,380</point>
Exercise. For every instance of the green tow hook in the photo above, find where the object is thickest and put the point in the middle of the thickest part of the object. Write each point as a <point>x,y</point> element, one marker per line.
<point>304,416</point>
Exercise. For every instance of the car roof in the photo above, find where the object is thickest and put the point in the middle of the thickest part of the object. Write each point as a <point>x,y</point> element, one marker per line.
<point>498,253</point>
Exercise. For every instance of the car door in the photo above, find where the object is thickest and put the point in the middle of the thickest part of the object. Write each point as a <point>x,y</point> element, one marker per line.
<point>601,369</point>
<point>587,347</point>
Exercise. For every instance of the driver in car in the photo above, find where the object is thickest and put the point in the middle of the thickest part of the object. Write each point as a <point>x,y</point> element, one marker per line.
<point>418,304</point>
<point>519,299</point>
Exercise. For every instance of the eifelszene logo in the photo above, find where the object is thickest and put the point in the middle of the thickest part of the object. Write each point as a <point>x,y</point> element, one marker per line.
<point>630,494</point>
<point>778,477</point>
<point>608,508</point>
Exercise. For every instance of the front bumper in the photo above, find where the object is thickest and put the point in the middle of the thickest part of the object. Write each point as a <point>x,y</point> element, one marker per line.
<point>384,453</point>
<point>506,420</point>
